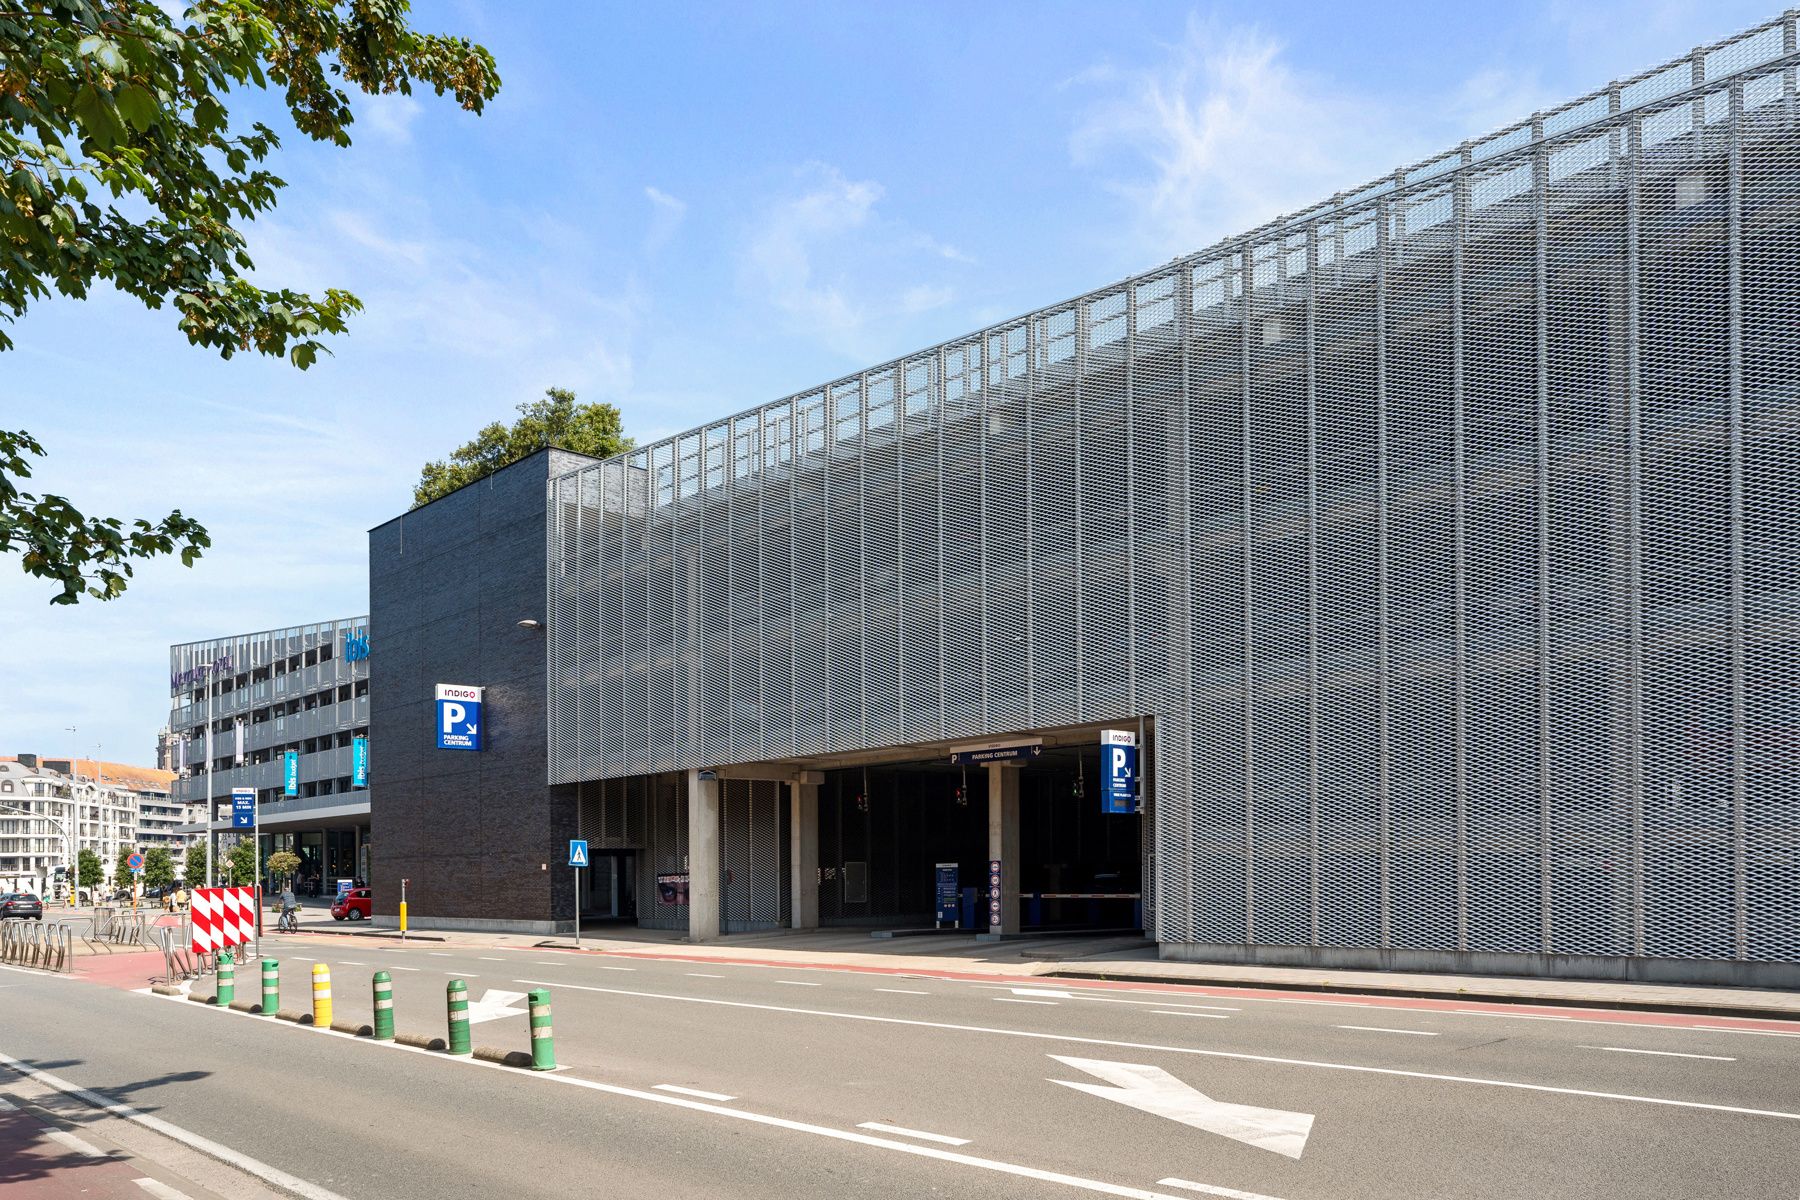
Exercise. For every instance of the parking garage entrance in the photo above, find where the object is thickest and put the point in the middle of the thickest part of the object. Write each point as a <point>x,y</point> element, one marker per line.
<point>885,831</point>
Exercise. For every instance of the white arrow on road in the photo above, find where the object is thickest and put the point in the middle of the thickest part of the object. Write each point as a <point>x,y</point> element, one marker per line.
<point>495,1004</point>
<point>1154,1090</point>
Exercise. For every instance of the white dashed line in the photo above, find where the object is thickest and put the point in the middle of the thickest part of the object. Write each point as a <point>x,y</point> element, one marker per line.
<point>1729,1029</point>
<point>85,1148</point>
<point>1208,1189</point>
<point>1660,1053</point>
<point>1182,1012</point>
<point>438,953</point>
<point>486,959</point>
<point>1385,1029</point>
<point>161,1191</point>
<point>407,968</point>
<point>702,975</point>
<point>1160,1003</point>
<point>604,967</point>
<point>903,992</point>
<point>1010,1000</point>
<point>903,1131</point>
<point>535,963</point>
<point>348,963</point>
<point>684,1091</point>
<point>796,983</point>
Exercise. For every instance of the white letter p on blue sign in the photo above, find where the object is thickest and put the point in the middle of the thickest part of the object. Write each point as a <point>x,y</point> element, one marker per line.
<point>458,717</point>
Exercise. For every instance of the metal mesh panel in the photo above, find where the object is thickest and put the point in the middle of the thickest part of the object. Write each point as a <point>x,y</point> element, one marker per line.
<point>1444,531</point>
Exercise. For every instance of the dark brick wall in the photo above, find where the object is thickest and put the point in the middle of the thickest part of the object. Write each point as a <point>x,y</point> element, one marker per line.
<point>448,585</point>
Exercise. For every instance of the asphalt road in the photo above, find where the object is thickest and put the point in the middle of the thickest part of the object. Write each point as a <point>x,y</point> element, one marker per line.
<point>711,1079</point>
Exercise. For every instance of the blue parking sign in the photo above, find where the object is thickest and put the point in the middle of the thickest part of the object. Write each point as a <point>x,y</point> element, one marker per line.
<point>458,717</point>
<point>1118,771</point>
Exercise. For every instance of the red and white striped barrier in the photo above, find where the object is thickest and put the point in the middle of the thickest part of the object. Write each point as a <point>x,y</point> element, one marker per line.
<point>223,917</point>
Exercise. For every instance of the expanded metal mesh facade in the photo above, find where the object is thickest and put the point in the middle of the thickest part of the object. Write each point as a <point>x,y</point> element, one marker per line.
<point>1444,532</point>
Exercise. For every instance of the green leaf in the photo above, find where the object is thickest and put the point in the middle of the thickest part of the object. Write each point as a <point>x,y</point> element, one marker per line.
<point>137,106</point>
<point>94,109</point>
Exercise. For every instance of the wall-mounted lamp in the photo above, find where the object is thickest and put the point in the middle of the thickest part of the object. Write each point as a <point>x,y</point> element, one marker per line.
<point>528,623</point>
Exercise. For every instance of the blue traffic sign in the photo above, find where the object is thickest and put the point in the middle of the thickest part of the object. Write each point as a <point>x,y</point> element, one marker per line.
<point>1118,772</point>
<point>243,808</point>
<point>458,717</point>
<point>135,861</point>
<point>578,852</point>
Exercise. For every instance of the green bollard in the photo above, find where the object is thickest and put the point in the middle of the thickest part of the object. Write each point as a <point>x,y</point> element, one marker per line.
<point>543,1047</point>
<point>271,986</point>
<point>227,991</point>
<point>457,992</point>
<point>384,1007</point>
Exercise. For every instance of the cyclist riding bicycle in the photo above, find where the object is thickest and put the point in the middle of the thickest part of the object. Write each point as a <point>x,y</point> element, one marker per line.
<point>290,913</point>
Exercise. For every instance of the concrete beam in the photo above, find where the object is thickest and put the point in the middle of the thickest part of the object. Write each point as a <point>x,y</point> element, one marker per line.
<point>770,773</point>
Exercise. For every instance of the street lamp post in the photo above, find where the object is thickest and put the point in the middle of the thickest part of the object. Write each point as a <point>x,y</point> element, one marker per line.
<point>74,836</point>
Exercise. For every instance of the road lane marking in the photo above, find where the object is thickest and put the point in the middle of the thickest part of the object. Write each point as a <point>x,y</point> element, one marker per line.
<point>535,963</point>
<point>903,991</point>
<point>1209,1190</point>
<point>1011,1000</point>
<point>438,953</point>
<point>1160,1003</point>
<point>463,974</point>
<point>796,983</point>
<point>1385,1029</point>
<point>703,975</point>
<point>1234,1055</point>
<point>161,1191</point>
<point>604,967</point>
<point>1153,1090</point>
<point>408,968</point>
<point>226,1154</point>
<point>1729,1029</point>
<point>347,963</point>
<point>1660,1053</point>
<point>1514,1016</point>
<point>84,1148</point>
<point>999,1166</point>
<point>903,1131</point>
<point>303,958</point>
<point>486,959</point>
<point>1177,1012</point>
<point>686,1091</point>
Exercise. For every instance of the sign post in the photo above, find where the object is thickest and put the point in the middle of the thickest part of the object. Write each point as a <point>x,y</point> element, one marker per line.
<point>244,815</point>
<point>135,860</point>
<point>578,858</point>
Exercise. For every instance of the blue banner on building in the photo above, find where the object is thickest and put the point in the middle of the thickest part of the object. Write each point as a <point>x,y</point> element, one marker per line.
<point>359,762</point>
<point>290,773</point>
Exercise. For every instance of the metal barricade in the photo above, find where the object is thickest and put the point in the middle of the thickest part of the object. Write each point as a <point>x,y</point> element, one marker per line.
<point>179,961</point>
<point>45,945</point>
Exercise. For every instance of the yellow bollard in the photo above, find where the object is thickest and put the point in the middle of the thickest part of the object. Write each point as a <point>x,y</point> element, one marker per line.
<point>321,996</point>
<point>403,916</point>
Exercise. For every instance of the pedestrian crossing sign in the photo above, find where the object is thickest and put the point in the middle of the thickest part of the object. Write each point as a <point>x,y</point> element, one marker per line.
<point>578,852</point>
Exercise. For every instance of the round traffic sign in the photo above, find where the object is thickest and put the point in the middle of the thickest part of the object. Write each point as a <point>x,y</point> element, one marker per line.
<point>135,861</point>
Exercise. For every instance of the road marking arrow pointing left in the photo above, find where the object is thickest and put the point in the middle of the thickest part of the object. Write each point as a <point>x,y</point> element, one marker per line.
<point>1154,1090</point>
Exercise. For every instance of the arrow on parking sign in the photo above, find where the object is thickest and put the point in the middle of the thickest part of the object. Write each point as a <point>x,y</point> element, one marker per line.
<point>1154,1090</point>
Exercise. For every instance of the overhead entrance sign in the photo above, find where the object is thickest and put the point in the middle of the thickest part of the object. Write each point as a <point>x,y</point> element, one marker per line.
<point>578,852</point>
<point>1118,771</point>
<point>458,717</point>
<point>243,808</point>
<point>969,758</point>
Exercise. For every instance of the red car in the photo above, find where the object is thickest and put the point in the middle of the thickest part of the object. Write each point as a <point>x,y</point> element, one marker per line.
<point>355,905</point>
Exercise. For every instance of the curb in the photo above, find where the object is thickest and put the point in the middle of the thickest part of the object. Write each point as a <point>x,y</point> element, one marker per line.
<point>420,1041</point>
<point>1753,1012</point>
<point>504,1058</point>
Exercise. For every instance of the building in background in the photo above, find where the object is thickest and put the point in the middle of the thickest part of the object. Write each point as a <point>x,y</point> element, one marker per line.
<point>299,693</point>
<point>75,805</point>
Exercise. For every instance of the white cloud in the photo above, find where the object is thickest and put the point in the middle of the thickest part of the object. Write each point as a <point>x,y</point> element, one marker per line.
<point>666,215</point>
<point>389,116</point>
<point>826,259</point>
<point>1223,135</point>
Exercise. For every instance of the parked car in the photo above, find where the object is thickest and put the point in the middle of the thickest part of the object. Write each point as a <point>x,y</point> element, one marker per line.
<point>355,905</point>
<point>21,905</point>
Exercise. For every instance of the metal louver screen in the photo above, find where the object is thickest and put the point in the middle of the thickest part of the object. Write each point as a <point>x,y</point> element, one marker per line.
<point>1445,533</point>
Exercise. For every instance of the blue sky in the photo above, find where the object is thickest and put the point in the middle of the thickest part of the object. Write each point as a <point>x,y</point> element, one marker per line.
<point>687,209</point>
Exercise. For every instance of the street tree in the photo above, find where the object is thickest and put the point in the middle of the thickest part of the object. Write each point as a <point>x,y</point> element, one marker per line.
<point>159,867</point>
<point>283,864</point>
<point>557,420</point>
<point>120,165</point>
<point>122,867</point>
<point>240,863</point>
<point>90,872</point>
<point>193,868</point>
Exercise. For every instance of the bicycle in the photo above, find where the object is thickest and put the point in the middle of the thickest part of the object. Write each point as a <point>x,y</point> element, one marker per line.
<point>290,921</point>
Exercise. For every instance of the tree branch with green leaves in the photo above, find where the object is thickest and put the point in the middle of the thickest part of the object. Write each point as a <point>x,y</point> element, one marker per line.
<point>119,165</point>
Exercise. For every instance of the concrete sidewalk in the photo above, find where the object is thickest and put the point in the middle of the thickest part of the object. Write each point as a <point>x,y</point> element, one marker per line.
<point>1111,958</point>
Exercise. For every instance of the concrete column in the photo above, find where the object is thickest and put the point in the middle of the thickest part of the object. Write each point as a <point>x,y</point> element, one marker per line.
<point>703,858</point>
<point>803,842</point>
<point>1003,842</point>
